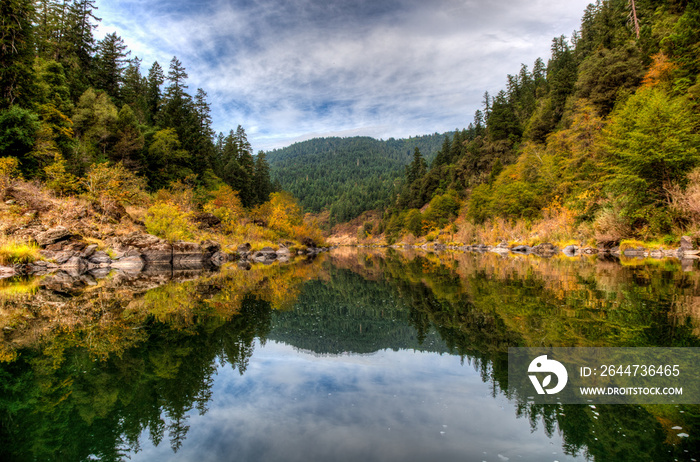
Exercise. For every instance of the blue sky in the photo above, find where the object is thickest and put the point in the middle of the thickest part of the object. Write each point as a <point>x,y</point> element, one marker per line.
<point>289,70</point>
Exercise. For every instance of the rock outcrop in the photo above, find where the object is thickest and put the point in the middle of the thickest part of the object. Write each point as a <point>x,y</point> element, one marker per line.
<point>686,251</point>
<point>132,252</point>
<point>136,252</point>
<point>52,236</point>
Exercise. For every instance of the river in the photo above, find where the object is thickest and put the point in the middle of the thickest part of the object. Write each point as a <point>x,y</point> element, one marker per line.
<point>356,355</point>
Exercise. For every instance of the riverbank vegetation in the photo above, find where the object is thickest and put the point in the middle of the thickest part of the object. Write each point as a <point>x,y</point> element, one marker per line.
<point>599,144</point>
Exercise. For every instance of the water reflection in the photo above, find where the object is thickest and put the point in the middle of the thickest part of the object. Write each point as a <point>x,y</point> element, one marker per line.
<point>313,361</point>
<point>392,405</point>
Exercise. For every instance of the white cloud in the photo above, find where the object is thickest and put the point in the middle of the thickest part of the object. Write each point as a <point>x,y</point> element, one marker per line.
<point>292,70</point>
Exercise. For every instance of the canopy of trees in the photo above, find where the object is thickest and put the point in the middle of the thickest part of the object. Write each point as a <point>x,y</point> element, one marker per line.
<point>606,130</point>
<point>68,101</point>
<point>346,175</point>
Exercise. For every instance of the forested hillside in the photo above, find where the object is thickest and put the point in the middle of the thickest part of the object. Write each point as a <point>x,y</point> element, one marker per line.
<point>601,142</point>
<point>70,101</point>
<point>81,117</point>
<point>346,175</point>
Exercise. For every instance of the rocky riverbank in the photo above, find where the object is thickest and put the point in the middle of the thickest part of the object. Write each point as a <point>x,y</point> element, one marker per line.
<point>685,251</point>
<point>62,250</point>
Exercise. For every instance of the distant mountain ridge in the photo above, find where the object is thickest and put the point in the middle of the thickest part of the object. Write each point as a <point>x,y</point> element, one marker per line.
<point>347,175</point>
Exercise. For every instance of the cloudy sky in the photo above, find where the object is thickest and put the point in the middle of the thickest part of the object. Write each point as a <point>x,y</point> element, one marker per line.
<point>289,70</point>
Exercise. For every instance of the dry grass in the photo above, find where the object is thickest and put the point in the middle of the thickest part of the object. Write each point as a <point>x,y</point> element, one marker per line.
<point>558,227</point>
<point>609,226</point>
<point>686,201</point>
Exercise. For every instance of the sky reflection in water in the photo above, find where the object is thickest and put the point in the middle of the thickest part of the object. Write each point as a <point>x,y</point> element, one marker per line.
<point>391,405</point>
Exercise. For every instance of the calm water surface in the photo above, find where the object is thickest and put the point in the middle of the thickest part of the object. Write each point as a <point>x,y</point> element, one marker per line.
<point>355,356</point>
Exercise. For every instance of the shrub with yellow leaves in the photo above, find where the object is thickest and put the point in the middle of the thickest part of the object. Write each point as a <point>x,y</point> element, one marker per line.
<point>9,168</point>
<point>167,221</point>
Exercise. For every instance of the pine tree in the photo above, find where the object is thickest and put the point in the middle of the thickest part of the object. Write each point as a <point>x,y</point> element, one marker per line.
<point>177,111</point>
<point>111,61</point>
<point>156,78</point>
<point>239,166</point>
<point>246,164</point>
<point>81,22</point>
<point>242,141</point>
<point>203,111</point>
<point>502,121</point>
<point>561,74</point>
<point>46,27</point>
<point>539,77</point>
<point>261,179</point>
<point>129,140</point>
<point>175,91</point>
<point>201,144</point>
<point>418,167</point>
<point>441,158</point>
<point>16,52</point>
<point>134,88</point>
<point>479,123</point>
<point>456,147</point>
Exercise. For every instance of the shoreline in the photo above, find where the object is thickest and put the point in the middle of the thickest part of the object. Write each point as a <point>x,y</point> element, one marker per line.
<point>61,250</point>
<point>549,250</point>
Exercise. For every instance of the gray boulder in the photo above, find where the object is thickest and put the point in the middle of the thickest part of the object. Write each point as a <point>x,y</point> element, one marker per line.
<point>76,263</point>
<point>62,257</point>
<point>89,250</point>
<point>570,250</point>
<point>521,249</point>
<point>544,250</point>
<point>188,254</point>
<point>52,236</point>
<point>219,258</point>
<point>154,250</point>
<point>133,263</point>
<point>686,243</point>
<point>99,258</point>
<point>639,252</point>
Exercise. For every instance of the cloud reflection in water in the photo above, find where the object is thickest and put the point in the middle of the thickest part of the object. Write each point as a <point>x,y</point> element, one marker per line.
<point>391,405</point>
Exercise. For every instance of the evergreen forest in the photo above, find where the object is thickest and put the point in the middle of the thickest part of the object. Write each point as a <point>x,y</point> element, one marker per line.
<point>601,142</point>
<point>346,176</point>
<point>86,125</point>
<point>70,102</point>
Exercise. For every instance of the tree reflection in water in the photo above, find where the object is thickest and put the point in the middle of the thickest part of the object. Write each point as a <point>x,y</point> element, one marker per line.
<point>87,371</point>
